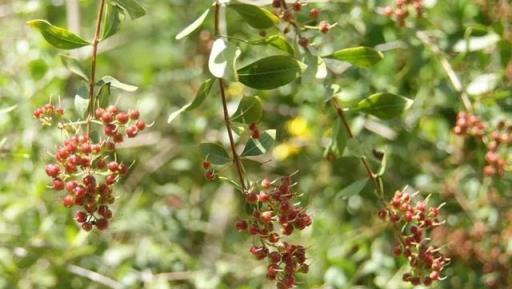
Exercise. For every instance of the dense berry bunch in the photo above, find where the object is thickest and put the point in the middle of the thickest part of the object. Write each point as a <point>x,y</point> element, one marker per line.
<point>87,170</point>
<point>403,9</point>
<point>417,221</point>
<point>287,13</point>
<point>273,206</point>
<point>48,113</point>
<point>496,141</point>
<point>469,125</point>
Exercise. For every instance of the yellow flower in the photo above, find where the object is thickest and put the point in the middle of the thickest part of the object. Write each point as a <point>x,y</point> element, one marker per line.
<point>285,150</point>
<point>298,127</point>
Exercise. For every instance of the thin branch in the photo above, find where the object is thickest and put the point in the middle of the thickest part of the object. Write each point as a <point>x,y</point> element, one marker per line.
<point>448,69</point>
<point>92,80</point>
<point>95,277</point>
<point>236,158</point>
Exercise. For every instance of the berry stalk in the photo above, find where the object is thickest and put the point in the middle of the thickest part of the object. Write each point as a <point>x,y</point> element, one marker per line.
<point>92,79</point>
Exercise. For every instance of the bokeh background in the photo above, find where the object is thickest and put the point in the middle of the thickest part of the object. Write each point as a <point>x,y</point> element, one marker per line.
<point>173,229</point>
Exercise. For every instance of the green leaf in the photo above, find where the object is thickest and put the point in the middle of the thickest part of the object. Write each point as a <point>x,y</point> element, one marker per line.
<point>74,66</point>
<point>103,95</point>
<point>193,26</point>
<point>276,41</point>
<point>112,20</point>
<point>270,72</point>
<point>256,147</point>
<point>215,153</point>
<point>358,56</point>
<point>259,18</point>
<point>201,95</point>
<point>81,100</point>
<point>249,110</point>
<point>116,83</point>
<point>383,164</point>
<point>353,189</point>
<point>223,56</point>
<point>384,105</point>
<point>57,36</point>
<point>132,7</point>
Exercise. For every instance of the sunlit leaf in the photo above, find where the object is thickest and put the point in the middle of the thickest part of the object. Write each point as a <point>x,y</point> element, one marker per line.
<point>57,36</point>
<point>358,56</point>
<point>116,83</point>
<point>193,26</point>
<point>112,24</point>
<point>384,105</point>
<point>249,110</point>
<point>262,145</point>
<point>132,7</point>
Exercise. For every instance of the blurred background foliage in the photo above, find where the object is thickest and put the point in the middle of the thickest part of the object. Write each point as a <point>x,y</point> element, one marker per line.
<point>172,229</point>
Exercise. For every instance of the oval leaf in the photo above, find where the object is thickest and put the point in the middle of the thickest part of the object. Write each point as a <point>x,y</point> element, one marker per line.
<point>221,62</point>
<point>132,7</point>
<point>249,110</point>
<point>276,41</point>
<point>384,105</point>
<point>259,18</point>
<point>112,20</point>
<point>81,100</point>
<point>201,95</point>
<point>57,36</point>
<point>116,83</point>
<point>358,56</point>
<point>271,72</point>
<point>193,26</point>
<point>215,153</point>
<point>256,147</point>
<point>353,189</point>
<point>74,66</point>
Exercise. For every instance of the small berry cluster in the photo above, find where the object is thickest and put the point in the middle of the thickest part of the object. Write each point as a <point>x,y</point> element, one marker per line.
<point>47,113</point>
<point>417,221</point>
<point>253,130</point>
<point>209,174</point>
<point>86,169</point>
<point>403,9</point>
<point>469,125</point>
<point>287,14</point>
<point>273,205</point>
<point>500,138</point>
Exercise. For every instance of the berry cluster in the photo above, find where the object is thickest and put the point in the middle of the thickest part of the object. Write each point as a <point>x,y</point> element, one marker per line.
<point>499,139</point>
<point>209,174</point>
<point>403,9</point>
<point>469,125</point>
<point>253,130</point>
<point>417,221</point>
<point>47,113</point>
<point>87,170</point>
<point>273,205</point>
<point>287,14</point>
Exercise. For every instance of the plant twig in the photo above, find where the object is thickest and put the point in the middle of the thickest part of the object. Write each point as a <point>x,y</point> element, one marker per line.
<point>95,277</point>
<point>92,79</point>
<point>236,158</point>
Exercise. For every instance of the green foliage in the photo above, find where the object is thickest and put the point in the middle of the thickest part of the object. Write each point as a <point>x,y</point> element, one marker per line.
<point>57,36</point>
<point>269,73</point>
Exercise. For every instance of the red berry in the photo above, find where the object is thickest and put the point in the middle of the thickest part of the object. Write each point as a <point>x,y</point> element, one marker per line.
<point>113,166</point>
<point>112,109</point>
<point>106,117</point>
<point>141,125</point>
<point>58,184</point>
<point>123,169</point>
<point>304,42</point>
<point>276,3</point>
<point>297,6</point>
<point>80,217</point>
<point>324,27</point>
<point>102,224</point>
<point>87,227</point>
<point>206,165</point>
<point>110,179</point>
<point>134,114</point>
<point>52,170</point>
<point>241,225</point>
<point>251,197</point>
<point>131,131</point>
<point>122,117</point>
<point>109,129</point>
<point>314,13</point>
<point>99,112</point>
<point>68,201</point>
